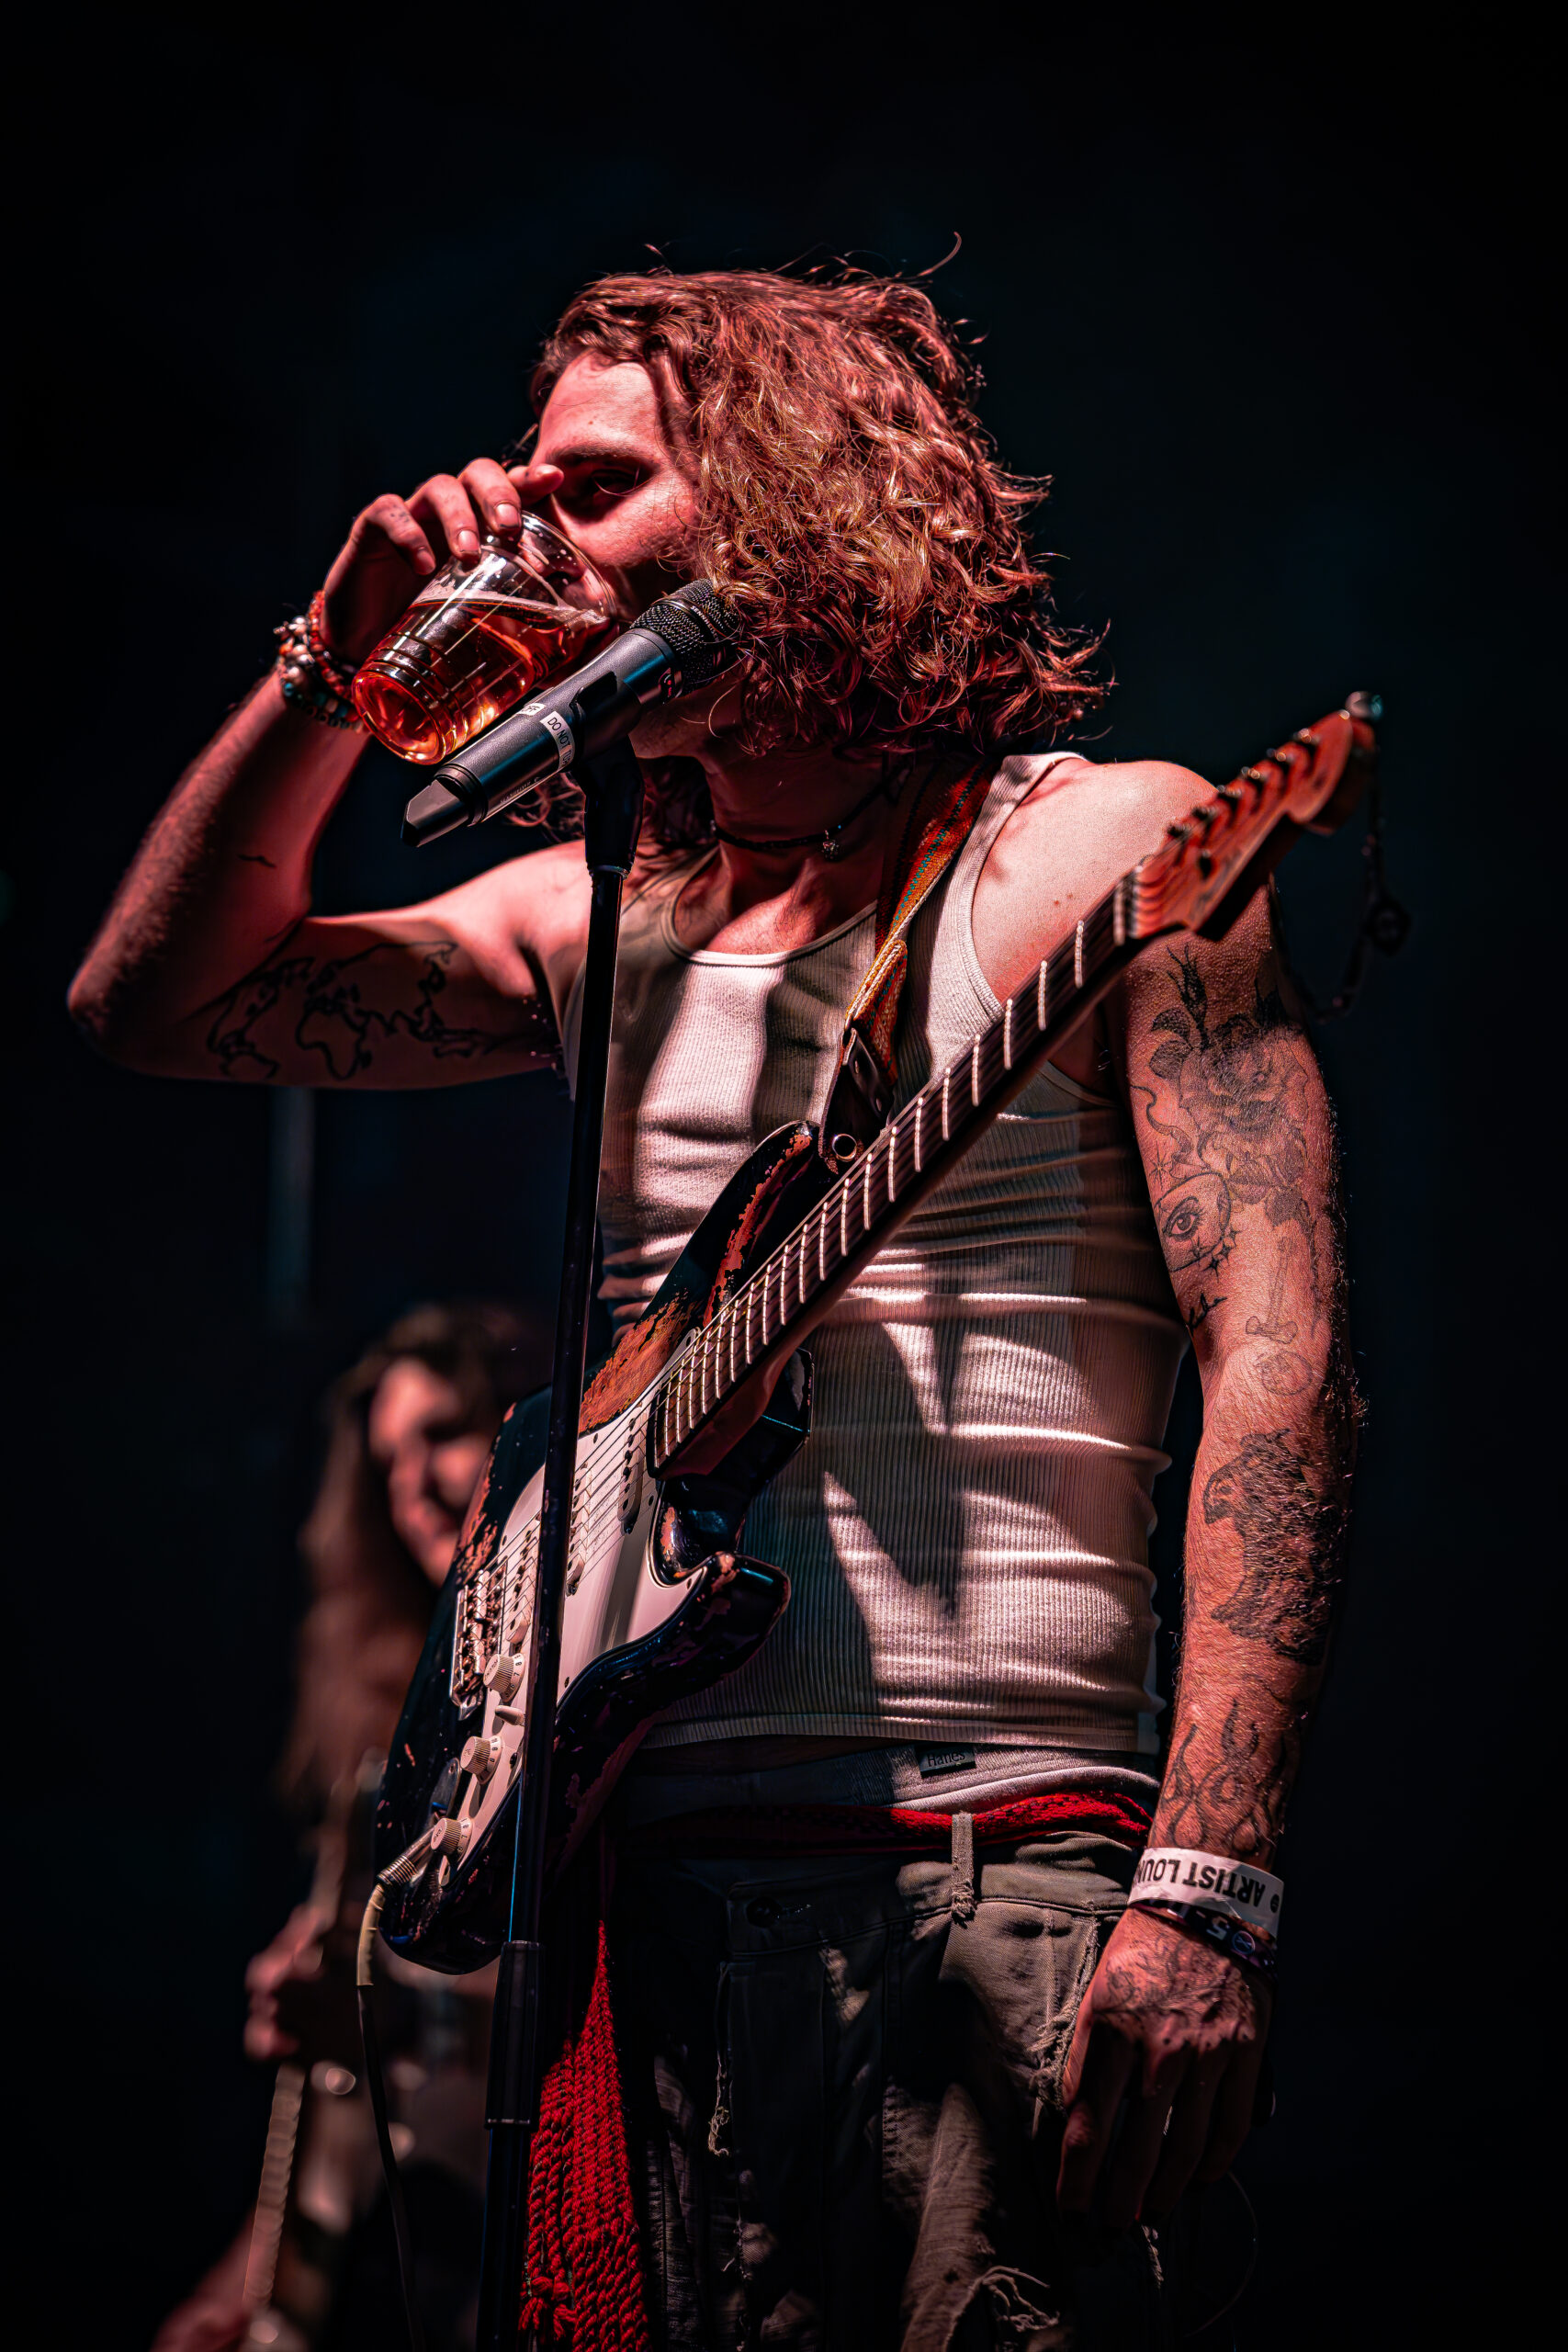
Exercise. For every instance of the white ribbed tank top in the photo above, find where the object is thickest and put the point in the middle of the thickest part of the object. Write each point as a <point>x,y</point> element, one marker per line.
<point>966,1530</point>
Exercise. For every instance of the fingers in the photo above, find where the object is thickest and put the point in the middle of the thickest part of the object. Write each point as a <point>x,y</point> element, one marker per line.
<point>535,481</point>
<point>1186,2136</point>
<point>206,2324</point>
<point>265,2040</point>
<point>445,512</point>
<point>1138,2150</point>
<point>1233,2113</point>
<point>387,526</point>
<point>492,495</point>
<point>1106,2060</point>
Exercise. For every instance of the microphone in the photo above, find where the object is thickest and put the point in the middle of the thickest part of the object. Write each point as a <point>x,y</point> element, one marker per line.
<point>679,643</point>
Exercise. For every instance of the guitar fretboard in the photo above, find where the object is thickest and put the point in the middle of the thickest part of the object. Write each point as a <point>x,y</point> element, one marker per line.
<point>855,1217</point>
<point>1185,882</point>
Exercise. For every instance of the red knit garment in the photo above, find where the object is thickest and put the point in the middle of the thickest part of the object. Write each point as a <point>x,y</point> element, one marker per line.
<point>584,2287</point>
<point>744,1830</point>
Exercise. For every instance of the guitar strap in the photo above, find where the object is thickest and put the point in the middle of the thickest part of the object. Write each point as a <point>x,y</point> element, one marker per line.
<point>942,817</point>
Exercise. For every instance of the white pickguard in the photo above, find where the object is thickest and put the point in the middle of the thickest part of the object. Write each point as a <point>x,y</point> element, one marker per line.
<point>613,1597</point>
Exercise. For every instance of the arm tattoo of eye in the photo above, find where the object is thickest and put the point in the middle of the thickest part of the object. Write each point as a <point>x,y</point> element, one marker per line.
<point>331,1018</point>
<point>1233,1136</point>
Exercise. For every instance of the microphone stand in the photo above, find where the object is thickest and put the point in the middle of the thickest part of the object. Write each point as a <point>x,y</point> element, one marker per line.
<point>613,787</point>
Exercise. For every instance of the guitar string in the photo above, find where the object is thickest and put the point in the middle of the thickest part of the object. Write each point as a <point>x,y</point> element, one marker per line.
<point>1135,894</point>
<point>596,1488</point>
<point>820,1233</point>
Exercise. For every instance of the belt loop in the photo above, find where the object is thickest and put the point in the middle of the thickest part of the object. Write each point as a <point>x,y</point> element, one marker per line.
<point>964,1904</point>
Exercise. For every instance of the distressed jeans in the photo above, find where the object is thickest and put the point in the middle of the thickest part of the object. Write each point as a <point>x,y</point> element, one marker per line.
<point>843,2082</point>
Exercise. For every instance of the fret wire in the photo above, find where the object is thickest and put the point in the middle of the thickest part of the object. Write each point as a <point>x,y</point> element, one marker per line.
<point>687,1397</point>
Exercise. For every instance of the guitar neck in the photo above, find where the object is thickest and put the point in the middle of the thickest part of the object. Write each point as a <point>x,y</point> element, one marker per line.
<point>769,1314</point>
<point>1201,872</point>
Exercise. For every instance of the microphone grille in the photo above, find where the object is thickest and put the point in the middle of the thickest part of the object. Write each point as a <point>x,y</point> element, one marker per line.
<point>700,630</point>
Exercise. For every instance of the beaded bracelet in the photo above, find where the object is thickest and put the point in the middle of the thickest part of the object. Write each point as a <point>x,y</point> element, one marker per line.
<point>1250,1946</point>
<point>313,680</point>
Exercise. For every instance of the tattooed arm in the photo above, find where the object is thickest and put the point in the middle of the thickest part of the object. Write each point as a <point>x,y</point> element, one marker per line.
<point>209,963</point>
<point>1237,1137</point>
<point>211,966</point>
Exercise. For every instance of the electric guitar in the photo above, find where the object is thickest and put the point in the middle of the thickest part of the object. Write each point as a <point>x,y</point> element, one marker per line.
<point>658,1601</point>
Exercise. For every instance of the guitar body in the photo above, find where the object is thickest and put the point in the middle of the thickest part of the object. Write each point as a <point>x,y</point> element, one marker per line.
<point>659,1603</point>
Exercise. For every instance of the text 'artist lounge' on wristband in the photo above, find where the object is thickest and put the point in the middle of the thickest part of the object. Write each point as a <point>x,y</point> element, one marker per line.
<point>1208,1882</point>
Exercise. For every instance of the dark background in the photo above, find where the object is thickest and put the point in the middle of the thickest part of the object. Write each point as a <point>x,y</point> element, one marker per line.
<point>1271,317</point>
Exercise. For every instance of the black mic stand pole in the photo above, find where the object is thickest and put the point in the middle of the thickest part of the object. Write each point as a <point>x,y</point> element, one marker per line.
<point>612,788</point>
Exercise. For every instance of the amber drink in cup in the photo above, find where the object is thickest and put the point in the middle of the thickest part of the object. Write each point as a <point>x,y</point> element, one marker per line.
<point>479,637</point>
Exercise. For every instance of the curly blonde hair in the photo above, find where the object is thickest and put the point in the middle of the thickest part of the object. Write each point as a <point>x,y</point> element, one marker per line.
<point>850,507</point>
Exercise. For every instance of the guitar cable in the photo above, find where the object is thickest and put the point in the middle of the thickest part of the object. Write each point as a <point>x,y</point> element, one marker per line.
<point>398,1873</point>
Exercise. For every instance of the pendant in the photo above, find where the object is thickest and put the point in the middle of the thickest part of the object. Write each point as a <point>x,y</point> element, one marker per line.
<point>833,847</point>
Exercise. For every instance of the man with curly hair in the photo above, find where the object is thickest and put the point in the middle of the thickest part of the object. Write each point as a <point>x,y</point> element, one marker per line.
<point>876,2100</point>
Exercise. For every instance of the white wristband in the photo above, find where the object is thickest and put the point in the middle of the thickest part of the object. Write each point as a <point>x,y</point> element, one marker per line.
<point>1232,1890</point>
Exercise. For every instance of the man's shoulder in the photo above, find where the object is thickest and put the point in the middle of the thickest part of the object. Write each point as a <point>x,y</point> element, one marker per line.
<point>1096,818</point>
<point>1078,826</point>
<point>1106,795</point>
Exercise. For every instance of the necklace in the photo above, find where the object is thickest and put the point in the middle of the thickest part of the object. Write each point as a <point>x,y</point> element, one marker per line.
<point>827,841</point>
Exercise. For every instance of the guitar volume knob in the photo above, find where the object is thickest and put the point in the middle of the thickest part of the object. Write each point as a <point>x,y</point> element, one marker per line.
<point>502,1676</point>
<point>448,1837</point>
<point>480,1757</point>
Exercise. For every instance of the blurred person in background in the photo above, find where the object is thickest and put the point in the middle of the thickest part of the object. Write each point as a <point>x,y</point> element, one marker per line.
<point>409,1430</point>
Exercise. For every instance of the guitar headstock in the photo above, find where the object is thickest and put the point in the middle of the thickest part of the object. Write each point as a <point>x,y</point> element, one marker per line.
<point>1230,841</point>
